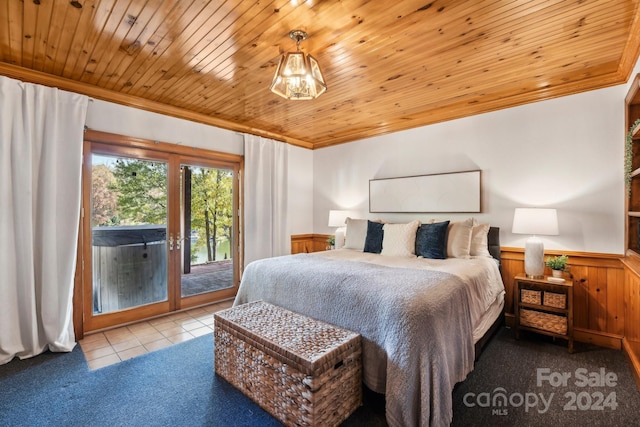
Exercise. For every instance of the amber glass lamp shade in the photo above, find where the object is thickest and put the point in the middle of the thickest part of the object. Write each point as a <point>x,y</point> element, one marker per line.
<point>298,76</point>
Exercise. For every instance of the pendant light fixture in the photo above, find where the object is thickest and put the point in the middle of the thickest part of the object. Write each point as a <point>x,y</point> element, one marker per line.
<point>298,75</point>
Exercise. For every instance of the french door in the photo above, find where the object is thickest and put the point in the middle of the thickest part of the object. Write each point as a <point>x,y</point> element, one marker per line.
<point>160,230</point>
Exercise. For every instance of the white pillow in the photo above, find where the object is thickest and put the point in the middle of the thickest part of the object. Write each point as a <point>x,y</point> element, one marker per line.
<point>459,239</point>
<point>400,239</point>
<point>479,241</point>
<point>356,234</point>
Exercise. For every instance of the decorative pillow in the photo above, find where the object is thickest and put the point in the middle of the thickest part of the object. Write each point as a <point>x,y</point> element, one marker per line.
<point>356,234</point>
<point>400,239</point>
<point>373,242</point>
<point>459,239</point>
<point>431,240</point>
<point>479,241</point>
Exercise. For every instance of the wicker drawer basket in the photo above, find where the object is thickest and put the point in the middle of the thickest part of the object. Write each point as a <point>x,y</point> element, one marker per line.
<point>545,321</point>
<point>552,299</point>
<point>530,296</point>
<point>302,371</point>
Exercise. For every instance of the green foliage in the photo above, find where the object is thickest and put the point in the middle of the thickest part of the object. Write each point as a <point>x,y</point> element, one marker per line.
<point>141,186</point>
<point>557,262</point>
<point>332,240</point>
<point>628,155</point>
<point>133,192</point>
<point>104,200</point>
<point>212,207</point>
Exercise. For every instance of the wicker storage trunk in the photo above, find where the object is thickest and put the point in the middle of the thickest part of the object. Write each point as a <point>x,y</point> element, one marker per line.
<point>302,371</point>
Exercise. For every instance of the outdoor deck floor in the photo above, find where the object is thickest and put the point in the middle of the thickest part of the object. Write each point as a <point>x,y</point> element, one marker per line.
<point>208,277</point>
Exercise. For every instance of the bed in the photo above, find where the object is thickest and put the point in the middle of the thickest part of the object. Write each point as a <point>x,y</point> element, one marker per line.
<point>420,318</point>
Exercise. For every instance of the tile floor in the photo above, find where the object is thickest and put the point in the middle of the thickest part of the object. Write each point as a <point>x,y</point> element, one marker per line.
<point>106,348</point>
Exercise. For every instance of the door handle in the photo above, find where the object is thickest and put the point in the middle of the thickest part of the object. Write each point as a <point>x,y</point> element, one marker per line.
<point>178,241</point>
<point>170,242</point>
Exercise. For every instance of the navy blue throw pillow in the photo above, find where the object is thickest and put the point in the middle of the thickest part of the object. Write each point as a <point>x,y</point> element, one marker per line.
<point>431,240</point>
<point>373,242</point>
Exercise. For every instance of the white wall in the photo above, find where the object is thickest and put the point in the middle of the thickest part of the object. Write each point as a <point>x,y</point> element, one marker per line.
<point>109,117</point>
<point>565,153</point>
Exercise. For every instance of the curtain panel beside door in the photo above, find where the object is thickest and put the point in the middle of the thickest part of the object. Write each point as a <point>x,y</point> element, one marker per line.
<point>266,227</point>
<point>41,134</point>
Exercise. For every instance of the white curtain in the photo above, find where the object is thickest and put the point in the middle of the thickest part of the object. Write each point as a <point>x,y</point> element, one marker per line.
<point>40,170</point>
<point>266,231</point>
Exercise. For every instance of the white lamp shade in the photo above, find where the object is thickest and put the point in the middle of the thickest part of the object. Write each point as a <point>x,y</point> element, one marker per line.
<point>338,218</point>
<point>535,221</point>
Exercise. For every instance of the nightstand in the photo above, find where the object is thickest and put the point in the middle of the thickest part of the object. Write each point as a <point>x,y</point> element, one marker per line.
<point>545,307</point>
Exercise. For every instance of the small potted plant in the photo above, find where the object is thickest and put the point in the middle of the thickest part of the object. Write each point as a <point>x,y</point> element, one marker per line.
<point>332,242</point>
<point>557,264</point>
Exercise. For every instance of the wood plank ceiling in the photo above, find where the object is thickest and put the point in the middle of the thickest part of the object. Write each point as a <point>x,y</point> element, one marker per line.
<point>389,65</point>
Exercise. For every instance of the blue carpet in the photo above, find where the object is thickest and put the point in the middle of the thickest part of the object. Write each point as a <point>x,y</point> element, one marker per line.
<point>170,387</point>
<point>175,386</point>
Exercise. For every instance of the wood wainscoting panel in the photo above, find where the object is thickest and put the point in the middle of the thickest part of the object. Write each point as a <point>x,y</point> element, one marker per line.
<point>632,299</point>
<point>306,243</point>
<point>598,294</point>
<point>631,340</point>
<point>512,265</point>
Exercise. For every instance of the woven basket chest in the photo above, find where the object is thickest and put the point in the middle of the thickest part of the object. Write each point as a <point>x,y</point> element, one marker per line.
<point>302,371</point>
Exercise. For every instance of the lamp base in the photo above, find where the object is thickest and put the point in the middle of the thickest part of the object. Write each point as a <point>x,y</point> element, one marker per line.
<point>534,258</point>
<point>340,237</point>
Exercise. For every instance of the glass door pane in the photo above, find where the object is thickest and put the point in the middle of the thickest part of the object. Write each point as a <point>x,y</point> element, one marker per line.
<point>128,232</point>
<point>206,212</point>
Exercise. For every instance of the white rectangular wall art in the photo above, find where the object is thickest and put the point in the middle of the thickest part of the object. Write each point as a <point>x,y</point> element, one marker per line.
<point>445,192</point>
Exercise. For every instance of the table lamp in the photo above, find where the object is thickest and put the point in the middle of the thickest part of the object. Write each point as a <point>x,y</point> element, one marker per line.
<point>535,221</point>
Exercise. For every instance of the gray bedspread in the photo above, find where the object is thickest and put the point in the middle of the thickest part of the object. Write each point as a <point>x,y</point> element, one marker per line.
<point>416,324</point>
